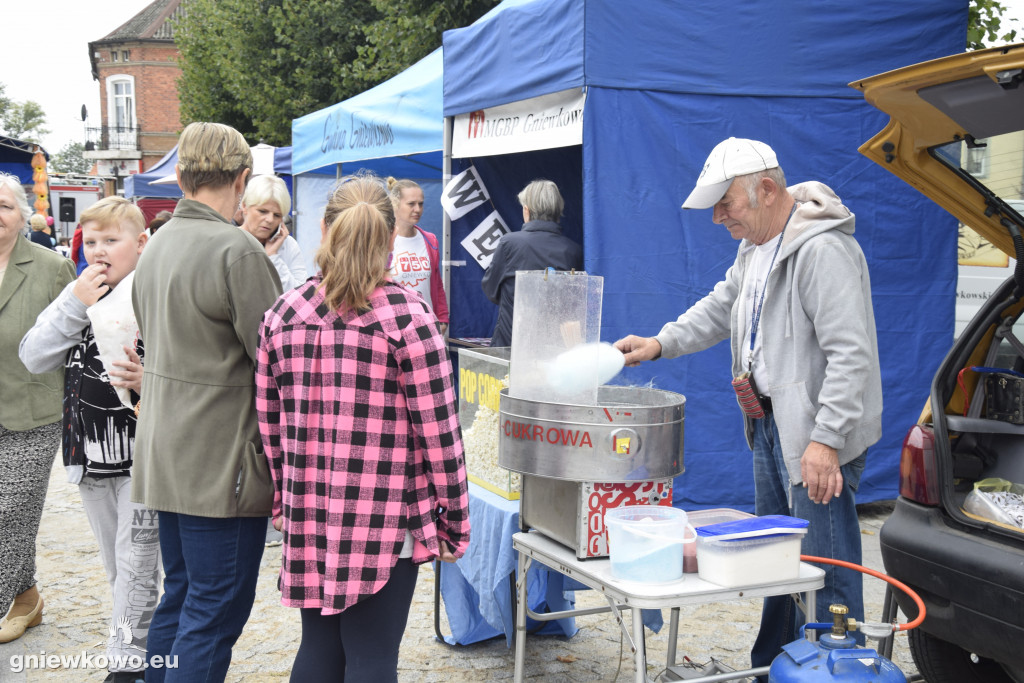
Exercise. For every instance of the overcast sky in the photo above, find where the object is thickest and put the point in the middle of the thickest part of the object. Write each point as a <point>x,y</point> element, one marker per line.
<point>45,56</point>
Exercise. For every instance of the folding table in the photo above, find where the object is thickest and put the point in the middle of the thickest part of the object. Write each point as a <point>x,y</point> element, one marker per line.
<point>622,595</point>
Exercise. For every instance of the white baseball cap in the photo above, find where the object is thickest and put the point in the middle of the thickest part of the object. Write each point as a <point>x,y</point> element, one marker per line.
<point>729,158</point>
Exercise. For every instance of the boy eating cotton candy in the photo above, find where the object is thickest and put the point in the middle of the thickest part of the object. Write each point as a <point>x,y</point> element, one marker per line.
<point>91,329</point>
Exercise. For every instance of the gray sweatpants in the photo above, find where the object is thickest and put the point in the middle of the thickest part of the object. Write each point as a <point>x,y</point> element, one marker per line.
<point>130,549</point>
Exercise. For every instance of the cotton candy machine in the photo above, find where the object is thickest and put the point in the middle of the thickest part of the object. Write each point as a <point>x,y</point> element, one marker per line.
<point>578,461</point>
<point>581,448</point>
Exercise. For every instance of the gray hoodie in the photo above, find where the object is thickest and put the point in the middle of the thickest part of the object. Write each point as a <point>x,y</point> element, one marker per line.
<point>817,329</point>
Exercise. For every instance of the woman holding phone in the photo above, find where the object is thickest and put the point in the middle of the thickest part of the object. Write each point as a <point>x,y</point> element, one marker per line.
<point>264,206</point>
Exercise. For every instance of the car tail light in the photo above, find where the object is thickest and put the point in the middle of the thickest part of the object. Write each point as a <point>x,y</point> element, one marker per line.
<point>919,480</point>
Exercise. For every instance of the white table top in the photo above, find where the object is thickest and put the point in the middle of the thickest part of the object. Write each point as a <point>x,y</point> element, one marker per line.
<point>690,590</point>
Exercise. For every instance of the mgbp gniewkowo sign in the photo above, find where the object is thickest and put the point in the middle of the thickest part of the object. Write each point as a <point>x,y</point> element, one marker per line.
<point>545,122</point>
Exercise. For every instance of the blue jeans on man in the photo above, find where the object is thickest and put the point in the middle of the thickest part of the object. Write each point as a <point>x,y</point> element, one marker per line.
<point>834,532</point>
<point>210,570</point>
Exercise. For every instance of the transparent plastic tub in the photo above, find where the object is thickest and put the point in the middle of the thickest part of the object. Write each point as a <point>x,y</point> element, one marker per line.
<point>645,542</point>
<point>699,518</point>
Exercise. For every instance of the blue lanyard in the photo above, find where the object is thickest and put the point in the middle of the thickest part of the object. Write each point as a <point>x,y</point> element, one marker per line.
<point>755,313</point>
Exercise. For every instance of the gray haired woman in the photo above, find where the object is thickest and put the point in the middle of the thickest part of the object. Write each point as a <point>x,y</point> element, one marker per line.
<point>539,245</point>
<point>31,277</point>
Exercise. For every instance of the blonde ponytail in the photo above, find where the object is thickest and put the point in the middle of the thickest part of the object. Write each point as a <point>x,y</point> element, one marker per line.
<point>353,255</point>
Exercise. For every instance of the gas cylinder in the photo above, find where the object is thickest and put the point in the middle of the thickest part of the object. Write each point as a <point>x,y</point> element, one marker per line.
<point>834,657</point>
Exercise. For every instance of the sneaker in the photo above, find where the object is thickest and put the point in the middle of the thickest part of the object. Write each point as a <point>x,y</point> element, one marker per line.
<point>274,537</point>
<point>125,677</point>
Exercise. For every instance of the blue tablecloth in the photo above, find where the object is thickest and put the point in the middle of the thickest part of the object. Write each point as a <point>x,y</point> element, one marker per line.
<point>476,593</point>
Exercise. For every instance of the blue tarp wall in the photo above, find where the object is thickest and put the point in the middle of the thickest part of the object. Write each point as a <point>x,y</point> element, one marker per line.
<point>393,129</point>
<point>665,82</point>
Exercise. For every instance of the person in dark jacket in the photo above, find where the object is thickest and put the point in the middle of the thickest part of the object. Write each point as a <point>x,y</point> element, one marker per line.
<point>539,245</point>
<point>38,234</point>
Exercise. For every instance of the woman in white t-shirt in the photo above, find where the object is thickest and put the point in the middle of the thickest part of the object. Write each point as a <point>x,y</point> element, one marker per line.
<point>416,258</point>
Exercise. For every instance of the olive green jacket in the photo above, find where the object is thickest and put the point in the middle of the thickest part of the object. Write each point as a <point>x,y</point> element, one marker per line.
<point>35,276</point>
<point>200,290</point>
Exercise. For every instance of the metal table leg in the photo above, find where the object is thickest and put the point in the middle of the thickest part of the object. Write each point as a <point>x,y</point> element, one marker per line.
<point>673,635</point>
<point>437,601</point>
<point>811,600</point>
<point>889,607</point>
<point>520,637</point>
<point>640,658</point>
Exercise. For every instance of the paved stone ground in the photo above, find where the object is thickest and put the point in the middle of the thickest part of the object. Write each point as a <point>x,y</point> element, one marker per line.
<point>73,583</point>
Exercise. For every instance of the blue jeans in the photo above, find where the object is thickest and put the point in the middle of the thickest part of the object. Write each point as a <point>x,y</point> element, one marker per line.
<point>210,570</point>
<point>834,532</point>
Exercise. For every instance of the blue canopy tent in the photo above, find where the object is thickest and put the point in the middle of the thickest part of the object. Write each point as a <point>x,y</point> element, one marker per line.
<point>392,129</point>
<point>663,82</point>
<point>16,158</point>
<point>145,185</point>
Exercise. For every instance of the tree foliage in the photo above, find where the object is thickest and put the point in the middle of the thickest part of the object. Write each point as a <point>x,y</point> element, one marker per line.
<point>984,24</point>
<point>22,120</point>
<point>408,31</point>
<point>258,64</point>
<point>70,160</point>
<point>5,101</point>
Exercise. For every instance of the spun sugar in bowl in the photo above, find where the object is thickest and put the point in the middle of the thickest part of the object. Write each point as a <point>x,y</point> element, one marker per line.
<point>645,542</point>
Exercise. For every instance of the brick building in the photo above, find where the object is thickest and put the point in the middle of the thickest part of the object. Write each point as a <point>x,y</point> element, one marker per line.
<point>137,69</point>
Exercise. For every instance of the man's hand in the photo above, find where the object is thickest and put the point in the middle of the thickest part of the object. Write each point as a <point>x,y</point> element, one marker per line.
<point>819,468</point>
<point>637,349</point>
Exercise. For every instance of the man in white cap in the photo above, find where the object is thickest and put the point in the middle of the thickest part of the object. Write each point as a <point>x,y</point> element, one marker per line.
<point>796,307</point>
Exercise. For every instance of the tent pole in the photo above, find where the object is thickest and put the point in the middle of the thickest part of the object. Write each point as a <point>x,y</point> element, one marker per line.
<point>446,241</point>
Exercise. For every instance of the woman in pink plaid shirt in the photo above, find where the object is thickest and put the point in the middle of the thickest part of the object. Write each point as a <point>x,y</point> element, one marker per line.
<point>359,419</point>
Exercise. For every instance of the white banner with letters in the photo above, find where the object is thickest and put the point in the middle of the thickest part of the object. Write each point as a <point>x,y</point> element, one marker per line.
<point>482,242</point>
<point>544,122</point>
<point>463,193</point>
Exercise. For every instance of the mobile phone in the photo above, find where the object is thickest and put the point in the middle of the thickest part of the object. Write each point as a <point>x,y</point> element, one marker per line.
<point>275,234</point>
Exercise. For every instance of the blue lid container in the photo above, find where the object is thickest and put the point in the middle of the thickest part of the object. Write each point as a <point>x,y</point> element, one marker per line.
<point>754,527</point>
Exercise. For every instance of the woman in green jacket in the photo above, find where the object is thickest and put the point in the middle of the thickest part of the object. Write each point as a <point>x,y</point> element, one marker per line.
<point>31,277</point>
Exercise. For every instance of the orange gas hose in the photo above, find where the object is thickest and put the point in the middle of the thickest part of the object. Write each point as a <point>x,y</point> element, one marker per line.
<point>878,575</point>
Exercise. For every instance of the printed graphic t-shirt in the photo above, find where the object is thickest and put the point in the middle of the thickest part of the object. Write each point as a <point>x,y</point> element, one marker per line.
<point>410,265</point>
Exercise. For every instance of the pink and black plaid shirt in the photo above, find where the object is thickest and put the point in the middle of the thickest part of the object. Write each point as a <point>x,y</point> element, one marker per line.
<point>359,420</point>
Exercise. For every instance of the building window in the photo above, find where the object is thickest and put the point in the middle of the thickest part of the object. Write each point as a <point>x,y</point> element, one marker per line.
<point>125,55</point>
<point>124,105</point>
<point>113,55</point>
<point>121,122</point>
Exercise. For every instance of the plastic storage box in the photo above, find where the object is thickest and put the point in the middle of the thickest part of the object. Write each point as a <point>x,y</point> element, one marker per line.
<point>751,551</point>
<point>483,373</point>
<point>699,518</point>
<point>645,542</point>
